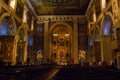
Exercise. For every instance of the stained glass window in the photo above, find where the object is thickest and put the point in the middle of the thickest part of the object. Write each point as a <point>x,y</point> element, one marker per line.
<point>107,24</point>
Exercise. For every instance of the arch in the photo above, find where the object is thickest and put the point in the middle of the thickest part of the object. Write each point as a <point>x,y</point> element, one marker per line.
<point>8,14</point>
<point>60,36</point>
<point>25,28</point>
<point>39,51</point>
<point>7,26</point>
<point>63,23</point>
<point>98,27</point>
<point>24,42</point>
<point>39,55</point>
<point>96,34</point>
<point>105,23</point>
<point>7,20</point>
<point>4,15</point>
<point>107,36</point>
<point>97,42</point>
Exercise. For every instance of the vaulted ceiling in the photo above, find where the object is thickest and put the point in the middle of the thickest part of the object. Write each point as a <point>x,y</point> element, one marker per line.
<point>60,7</point>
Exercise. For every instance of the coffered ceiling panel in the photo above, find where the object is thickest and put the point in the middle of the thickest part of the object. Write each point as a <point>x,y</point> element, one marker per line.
<point>60,7</point>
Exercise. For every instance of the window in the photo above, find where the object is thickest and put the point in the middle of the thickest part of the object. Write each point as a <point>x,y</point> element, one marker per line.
<point>107,24</point>
<point>106,32</point>
<point>90,42</point>
<point>94,17</point>
<point>40,28</point>
<point>6,27</point>
<point>19,10</point>
<point>30,41</point>
<point>12,3</point>
<point>97,34</point>
<point>3,30</point>
<point>25,16</point>
<point>55,34</point>
<point>6,1</point>
<point>103,4</point>
<point>32,25</point>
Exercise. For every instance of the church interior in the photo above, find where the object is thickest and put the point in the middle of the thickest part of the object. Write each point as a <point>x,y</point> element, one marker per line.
<point>59,32</point>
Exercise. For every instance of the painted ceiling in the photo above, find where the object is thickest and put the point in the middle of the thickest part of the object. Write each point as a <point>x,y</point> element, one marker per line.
<point>60,7</point>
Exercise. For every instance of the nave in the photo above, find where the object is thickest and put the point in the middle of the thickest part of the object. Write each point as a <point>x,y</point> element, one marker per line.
<point>50,72</point>
<point>86,73</point>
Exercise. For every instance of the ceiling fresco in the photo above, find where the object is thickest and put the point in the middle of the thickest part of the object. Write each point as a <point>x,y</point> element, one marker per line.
<point>60,7</point>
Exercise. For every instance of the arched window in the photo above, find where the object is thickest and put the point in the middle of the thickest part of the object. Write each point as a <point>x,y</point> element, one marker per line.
<point>90,42</point>
<point>6,26</point>
<point>107,25</point>
<point>30,41</point>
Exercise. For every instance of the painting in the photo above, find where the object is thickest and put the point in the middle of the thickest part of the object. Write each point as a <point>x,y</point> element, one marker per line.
<point>6,48</point>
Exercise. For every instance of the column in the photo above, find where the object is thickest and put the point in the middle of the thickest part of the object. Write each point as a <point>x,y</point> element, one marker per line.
<point>46,42</point>
<point>118,60</point>
<point>0,7</point>
<point>32,24</point>
<point>102,56</point>
<point>75,42</point>
<point>93,52</point>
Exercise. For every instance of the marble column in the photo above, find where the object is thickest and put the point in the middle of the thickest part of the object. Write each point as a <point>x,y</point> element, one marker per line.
<point>46,42</point>
<point>75,42</point>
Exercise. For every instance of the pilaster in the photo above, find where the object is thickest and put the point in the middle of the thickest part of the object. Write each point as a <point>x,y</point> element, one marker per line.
<point>106,48</point>
<point>46,42</point>
<point>0,8</point>
<point>75,42</point>
<point>32,24</point>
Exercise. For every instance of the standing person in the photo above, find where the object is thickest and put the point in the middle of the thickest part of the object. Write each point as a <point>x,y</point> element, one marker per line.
<point>115,63</point>
<point>104,64</point>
